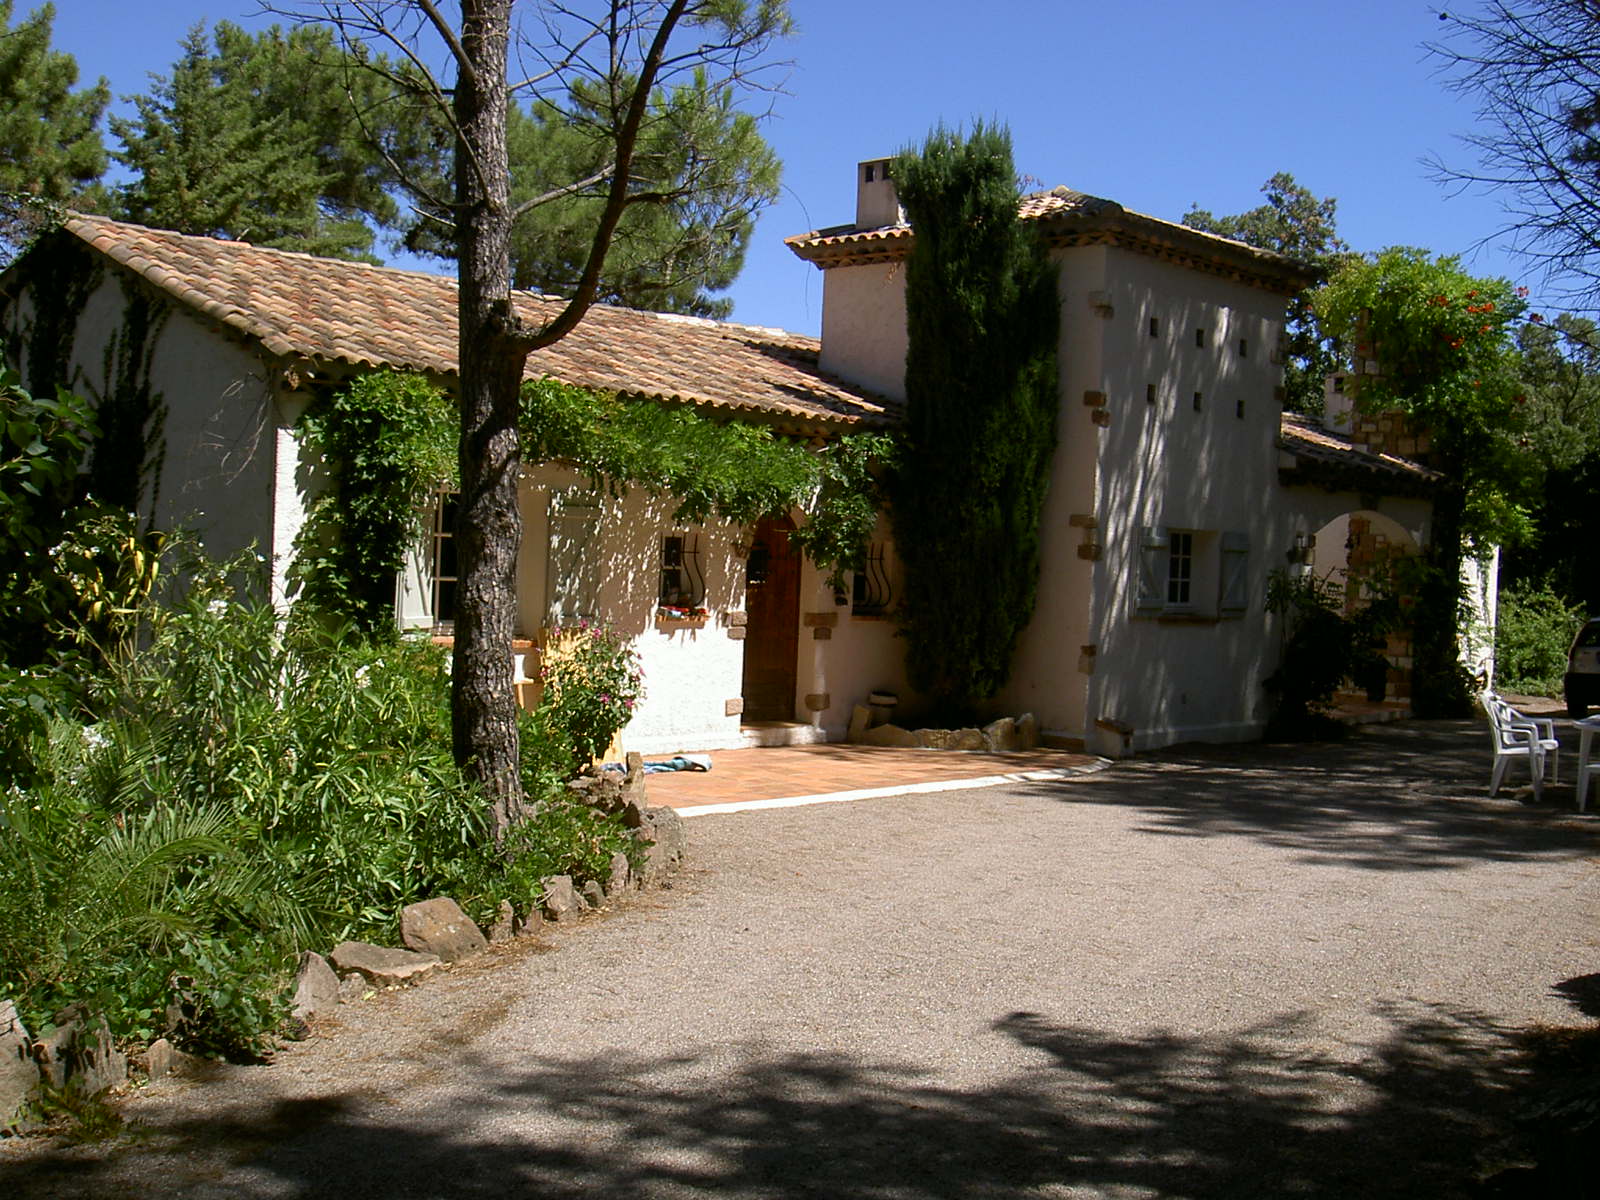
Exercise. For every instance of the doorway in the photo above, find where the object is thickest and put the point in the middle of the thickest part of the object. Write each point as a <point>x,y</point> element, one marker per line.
<point>772,631</point>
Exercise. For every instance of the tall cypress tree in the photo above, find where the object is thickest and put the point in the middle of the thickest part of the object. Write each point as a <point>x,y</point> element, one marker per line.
<point>981,400</point>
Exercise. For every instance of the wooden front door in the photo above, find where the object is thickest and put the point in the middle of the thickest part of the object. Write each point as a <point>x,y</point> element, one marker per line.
<point>772,635</point>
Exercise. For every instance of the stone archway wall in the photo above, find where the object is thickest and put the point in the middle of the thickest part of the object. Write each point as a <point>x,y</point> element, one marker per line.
<point>1372,542</point>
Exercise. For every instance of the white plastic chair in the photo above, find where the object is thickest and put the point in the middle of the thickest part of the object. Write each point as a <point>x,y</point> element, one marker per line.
<point>1514,735</point>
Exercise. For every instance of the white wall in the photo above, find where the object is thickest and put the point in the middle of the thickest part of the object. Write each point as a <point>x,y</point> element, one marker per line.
<point>217,475</point>
<point>1174,676</point>
<point>864,326</point>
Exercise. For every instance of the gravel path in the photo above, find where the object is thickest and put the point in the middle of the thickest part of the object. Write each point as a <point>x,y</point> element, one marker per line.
<point>1243,971</point>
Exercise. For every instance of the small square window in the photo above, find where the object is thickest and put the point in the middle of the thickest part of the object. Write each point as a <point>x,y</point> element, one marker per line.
<point>1149,393</point>
<point>1155,326</point>
<point>1244,348</point>
<point>1199,400</point>
<point>1338,384</point>
<point>1199,337</point>
<point>682,586</point>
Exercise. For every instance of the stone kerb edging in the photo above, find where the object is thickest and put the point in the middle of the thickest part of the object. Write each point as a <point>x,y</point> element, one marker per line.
<point>436,934</point>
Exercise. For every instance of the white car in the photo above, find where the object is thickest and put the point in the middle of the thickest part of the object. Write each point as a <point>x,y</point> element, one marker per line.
<point>1582,683</point>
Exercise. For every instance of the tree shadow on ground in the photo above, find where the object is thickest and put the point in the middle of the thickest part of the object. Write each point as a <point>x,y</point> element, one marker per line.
<point>1408,796</point>
<point>1420,1111</point>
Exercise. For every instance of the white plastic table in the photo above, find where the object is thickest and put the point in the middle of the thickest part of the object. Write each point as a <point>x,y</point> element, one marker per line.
<point>1586,731</point>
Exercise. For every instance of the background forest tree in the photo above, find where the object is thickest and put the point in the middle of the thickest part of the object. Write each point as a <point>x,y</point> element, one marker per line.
<point>50,146</point>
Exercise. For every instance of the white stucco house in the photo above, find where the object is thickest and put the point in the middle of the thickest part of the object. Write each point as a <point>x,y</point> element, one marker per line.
<point>1178,483</point>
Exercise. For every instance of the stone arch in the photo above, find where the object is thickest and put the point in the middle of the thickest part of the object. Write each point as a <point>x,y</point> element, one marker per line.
<point>1348,550</point>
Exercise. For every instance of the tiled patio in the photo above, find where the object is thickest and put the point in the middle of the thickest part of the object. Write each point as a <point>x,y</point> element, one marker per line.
<point>782,772</point>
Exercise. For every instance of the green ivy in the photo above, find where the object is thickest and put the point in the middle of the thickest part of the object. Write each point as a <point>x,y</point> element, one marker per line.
<point>389,442</point>
<point>731,470</point>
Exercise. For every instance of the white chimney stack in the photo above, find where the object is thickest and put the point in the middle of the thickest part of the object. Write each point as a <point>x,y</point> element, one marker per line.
<point>877,204</point>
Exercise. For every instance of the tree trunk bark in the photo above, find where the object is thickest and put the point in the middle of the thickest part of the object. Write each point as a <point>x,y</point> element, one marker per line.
<point>489,522</point>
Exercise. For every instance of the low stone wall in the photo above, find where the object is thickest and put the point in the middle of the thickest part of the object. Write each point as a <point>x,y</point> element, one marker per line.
<point>1008,733</point>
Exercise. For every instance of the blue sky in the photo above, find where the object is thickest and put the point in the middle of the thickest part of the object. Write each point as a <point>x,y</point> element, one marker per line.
<point>1157,105</point>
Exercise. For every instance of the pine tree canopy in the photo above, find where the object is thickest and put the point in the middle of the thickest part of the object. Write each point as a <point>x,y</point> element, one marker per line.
<point>271,138</point>
<point>50,145</point>
<point>701,173</point>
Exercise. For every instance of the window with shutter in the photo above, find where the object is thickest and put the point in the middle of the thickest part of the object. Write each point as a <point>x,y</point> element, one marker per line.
<point>573,560</point>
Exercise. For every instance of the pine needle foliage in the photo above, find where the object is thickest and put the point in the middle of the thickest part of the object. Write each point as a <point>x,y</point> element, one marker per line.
<point>982,318</point>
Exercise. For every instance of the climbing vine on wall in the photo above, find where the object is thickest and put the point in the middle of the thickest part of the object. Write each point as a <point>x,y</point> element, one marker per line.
<point>735,471</point>
<point>132,417</point>
<point>388,442</point>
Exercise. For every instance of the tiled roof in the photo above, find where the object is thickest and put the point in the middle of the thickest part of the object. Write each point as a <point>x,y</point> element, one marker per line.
<point>1312,454</point>
<point>1069,217</point>
<point>301,307</point>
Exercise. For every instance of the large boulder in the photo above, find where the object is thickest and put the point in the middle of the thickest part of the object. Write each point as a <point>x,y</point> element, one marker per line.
<point>505,924</point>
<point>1001,734</point>
<point>666,843</point>
<point>81,1052</point>
<point>967,739</point>
<point>1027,732</point>
<point>560,901</point>
<point>888,735</point>
<point>316,987</point>
<point>18,1075</point>
<point>621,874</point>
<point>438,926</point>
<point>383,966</point>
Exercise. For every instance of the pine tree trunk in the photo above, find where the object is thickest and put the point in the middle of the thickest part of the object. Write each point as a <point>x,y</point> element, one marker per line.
<point>489,524</point>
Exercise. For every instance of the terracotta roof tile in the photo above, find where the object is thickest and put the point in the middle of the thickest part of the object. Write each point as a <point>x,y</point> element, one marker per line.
<point>1317,455</point>
<point>1066,216</point>
<point>299,306</point>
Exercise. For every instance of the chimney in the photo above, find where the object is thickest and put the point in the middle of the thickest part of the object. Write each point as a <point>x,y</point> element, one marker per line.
<point>876,202</point>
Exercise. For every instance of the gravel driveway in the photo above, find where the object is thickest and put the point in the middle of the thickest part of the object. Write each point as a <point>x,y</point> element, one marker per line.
<point>1240,971</point>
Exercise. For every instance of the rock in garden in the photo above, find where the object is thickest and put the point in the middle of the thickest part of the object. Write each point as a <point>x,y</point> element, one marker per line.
<point>438,926</point>
<point>621,874</point>
<point>162,1059</point>
<point>532,923</point>
<point>1027,732</point>
<point>316,987</point>
<point>932,739</point>
<point>18,1075</point>
<point>383,966</point>
<point>560,901</point>
<point>664,828</point>
<point>353,987</point>
<point>80,1051</point>
<point>594,893</point>
<point>888,735</point>
<point>860,722</point>
<point>1000,735</point>
<point>634,788</point>
<point>967,739</point>
<point>505,924</point>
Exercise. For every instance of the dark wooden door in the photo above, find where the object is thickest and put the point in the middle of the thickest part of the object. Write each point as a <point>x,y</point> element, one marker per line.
<point>772,635</point>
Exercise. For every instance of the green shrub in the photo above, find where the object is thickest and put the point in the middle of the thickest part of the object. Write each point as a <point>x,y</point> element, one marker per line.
<point>591,684</point>
<point>1534,628</point>
<point>245,787</point>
